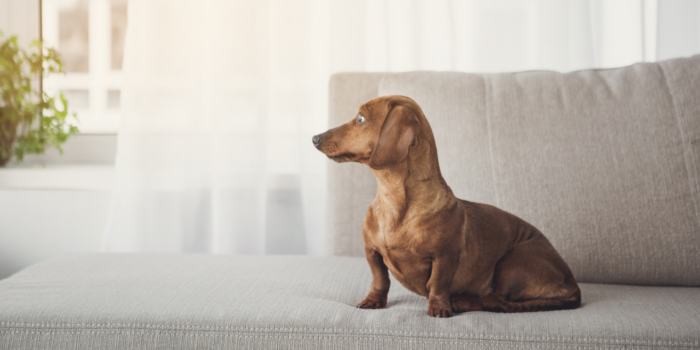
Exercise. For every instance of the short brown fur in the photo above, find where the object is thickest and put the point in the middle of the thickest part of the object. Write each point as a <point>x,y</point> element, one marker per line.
<point>462,256</point>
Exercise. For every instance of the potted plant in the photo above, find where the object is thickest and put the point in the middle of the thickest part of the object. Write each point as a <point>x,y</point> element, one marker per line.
<point>30,120</point>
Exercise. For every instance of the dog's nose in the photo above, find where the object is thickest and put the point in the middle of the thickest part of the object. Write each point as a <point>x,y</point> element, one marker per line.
<point>316,140</point>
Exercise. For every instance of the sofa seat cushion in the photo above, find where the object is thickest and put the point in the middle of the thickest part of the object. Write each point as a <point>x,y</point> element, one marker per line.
<point>141,301</point>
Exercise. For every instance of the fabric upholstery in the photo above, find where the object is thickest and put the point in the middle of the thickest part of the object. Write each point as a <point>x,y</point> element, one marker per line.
<point>603,162</point>
<point>136,301</point>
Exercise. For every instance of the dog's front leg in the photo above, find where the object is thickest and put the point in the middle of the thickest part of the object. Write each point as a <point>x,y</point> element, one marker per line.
<point>442,272</point>
<point>376,298</point>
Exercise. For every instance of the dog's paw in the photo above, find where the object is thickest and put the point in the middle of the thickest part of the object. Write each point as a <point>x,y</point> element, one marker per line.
<point>371,304</point>
<point>439,309</point>
<point>440,312</point>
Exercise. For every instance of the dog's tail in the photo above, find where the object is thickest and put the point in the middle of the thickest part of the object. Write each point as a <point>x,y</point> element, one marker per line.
<point>495,303</point>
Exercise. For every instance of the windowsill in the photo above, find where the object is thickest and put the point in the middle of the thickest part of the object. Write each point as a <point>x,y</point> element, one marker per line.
<point>85,176</point>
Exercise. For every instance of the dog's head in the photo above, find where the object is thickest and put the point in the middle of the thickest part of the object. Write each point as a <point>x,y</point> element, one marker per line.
<point>380,135</point>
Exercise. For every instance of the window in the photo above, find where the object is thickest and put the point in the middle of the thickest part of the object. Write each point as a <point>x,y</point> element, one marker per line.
<point>89,34</point>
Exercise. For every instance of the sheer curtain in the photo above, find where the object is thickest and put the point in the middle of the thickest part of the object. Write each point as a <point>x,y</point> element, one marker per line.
<point>221,97</point>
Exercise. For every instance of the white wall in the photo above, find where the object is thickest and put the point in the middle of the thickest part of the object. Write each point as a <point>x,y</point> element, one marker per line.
<point>52,205</point>
<point>41,224</point>
<point>37,220</point>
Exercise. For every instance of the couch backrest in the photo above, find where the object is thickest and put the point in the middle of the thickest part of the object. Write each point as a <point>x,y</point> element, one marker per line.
<point>604,162</point>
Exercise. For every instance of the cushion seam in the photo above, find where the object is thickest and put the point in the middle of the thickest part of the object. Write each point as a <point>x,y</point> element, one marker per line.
<point>679,115</point>
<point>488,94</point>
<point>350,333</point>
<point>549,344</point>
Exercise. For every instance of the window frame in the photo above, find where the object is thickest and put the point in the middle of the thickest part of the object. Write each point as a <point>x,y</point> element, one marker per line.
<point>100,79</point>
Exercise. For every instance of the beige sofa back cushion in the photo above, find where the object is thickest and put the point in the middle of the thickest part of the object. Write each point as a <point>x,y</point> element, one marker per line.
<point>603,162</point>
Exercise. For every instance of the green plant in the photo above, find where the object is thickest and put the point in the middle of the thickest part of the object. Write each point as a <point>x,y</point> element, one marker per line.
<point>30,120</point>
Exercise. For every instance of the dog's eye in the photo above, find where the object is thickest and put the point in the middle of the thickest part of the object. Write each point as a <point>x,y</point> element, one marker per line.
<point>360,119</point>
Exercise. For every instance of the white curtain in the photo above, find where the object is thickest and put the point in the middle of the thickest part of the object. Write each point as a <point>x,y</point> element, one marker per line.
<point>221,97</point>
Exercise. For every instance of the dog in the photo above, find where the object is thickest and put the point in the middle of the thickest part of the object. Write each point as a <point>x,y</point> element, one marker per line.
<point>461,256</point>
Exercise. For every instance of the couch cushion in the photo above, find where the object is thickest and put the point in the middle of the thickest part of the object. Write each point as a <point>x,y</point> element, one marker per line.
<point>604,162</point>
<point>120,301</point>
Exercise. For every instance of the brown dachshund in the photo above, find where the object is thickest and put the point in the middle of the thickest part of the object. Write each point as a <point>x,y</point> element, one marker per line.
<point>462,256</point>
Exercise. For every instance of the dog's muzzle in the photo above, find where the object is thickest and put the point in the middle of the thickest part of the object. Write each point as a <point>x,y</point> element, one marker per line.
<point>317,140</point>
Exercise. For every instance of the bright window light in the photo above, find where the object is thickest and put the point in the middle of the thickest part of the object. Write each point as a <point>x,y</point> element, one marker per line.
<point>89,34</point>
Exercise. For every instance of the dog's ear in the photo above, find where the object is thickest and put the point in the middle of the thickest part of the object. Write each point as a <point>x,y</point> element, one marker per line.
<point>395,138</point>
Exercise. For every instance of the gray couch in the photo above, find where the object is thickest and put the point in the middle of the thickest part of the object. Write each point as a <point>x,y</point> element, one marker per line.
<point>604,162</point>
